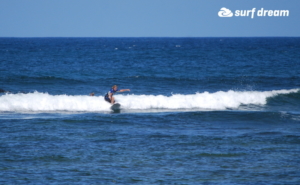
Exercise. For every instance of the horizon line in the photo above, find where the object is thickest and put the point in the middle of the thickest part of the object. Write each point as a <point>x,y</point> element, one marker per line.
<point>155,37</point>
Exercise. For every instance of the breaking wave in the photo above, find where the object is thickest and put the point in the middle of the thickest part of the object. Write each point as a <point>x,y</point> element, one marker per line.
<point>221,100</point>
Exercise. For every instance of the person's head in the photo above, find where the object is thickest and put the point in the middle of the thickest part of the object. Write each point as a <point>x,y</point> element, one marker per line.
<point>115,87</point>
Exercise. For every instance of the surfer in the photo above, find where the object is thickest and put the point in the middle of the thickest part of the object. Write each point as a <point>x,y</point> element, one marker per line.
<point>109,96</point>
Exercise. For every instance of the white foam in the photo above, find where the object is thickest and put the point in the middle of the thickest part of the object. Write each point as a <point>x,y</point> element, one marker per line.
<point>44,102</point>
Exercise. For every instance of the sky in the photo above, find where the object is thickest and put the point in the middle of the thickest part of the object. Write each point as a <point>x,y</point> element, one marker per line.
<point>146,18</point>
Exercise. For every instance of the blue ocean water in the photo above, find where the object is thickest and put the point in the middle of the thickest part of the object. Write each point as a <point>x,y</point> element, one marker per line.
<point>200,111</point>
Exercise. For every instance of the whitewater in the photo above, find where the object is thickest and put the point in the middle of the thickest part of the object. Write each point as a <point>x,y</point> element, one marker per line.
<point>221,100</point>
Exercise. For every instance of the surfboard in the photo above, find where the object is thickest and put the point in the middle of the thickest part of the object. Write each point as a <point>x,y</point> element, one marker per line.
<point>116,106</point>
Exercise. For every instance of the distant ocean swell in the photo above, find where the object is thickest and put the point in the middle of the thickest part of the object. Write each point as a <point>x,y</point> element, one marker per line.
<point>221,100</point>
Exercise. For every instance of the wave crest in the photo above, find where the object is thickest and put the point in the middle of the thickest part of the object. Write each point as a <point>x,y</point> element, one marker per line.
<point>221,100</point>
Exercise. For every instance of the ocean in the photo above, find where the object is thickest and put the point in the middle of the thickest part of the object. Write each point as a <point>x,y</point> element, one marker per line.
<point>199,111</point>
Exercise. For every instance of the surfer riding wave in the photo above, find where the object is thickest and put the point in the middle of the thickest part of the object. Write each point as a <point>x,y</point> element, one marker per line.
<point>109,95</point>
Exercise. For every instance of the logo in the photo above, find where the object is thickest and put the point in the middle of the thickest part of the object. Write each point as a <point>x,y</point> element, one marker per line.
<point>224,12</point>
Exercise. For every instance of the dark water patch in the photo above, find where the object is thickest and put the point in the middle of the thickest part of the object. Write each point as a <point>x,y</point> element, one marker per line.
<point>238,119</point>
<point>288,101</point>
<point>55,158</point>
<point>269,133</point>
<point>40,78</point>
<point>221,155</point>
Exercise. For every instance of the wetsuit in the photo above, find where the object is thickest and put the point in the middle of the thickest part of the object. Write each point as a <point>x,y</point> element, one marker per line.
<point>106,97</point>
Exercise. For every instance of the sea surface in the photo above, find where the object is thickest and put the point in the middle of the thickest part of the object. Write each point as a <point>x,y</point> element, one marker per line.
<point>199,111</point>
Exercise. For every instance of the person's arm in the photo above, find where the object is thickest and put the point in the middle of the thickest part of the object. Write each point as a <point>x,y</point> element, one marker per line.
<point>123,90</point>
